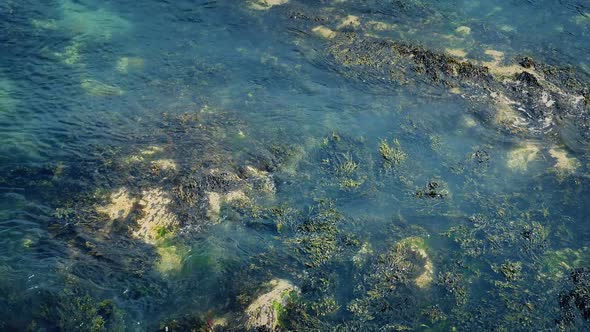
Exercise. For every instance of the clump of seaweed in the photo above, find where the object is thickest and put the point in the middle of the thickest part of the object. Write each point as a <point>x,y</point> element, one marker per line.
<point>433,189</point>
<point>389,287</point>
<point>510,270</point>
<point>575,304</point>
<point>454,284</point>
<point>318,235</point>
<point>347,160</point>
<point>70,310</point>
<point>392,155</point>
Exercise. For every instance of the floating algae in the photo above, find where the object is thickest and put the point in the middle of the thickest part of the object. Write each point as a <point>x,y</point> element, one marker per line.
<point>557,263</point>
<point>392,155</point>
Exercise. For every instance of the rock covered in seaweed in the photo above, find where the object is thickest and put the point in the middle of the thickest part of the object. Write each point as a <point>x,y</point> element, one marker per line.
<point>264,313</point>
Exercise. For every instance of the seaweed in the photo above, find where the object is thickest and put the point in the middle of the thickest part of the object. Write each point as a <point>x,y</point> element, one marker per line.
<point>575,303</point>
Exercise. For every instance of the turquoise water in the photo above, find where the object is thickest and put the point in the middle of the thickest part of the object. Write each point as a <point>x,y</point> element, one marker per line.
<point>294,165</point>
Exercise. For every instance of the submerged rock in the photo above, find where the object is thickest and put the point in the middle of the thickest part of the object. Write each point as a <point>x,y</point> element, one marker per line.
<point>100,89</point>
<point>120,206</point>
<point>463,30</point>
<point>157,219</point>
<point>564,164</point>
<point>98,24</point>
<point>125,64</point>
<point>528,97</point>
<point>519,158</point>
<point>216,199</point>
<point>418,246</point>
<point>266,4</point>
<point>324,32</point>
<point>265,312</point>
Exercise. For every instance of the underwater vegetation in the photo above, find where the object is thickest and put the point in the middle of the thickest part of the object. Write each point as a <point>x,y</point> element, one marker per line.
<point>274,165</point>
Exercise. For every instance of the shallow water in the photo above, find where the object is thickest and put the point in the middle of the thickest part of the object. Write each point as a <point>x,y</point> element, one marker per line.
<point>161,164</point>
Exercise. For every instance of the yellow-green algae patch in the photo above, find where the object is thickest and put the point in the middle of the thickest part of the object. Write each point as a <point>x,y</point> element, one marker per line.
<point>264,179</point>
<point>468,121</point>
<point>519,158</point>
<point>49,24</point>
<point>557,264</point>
<point>170,258</point>
<point>265,311</point>
<point>582,19</point>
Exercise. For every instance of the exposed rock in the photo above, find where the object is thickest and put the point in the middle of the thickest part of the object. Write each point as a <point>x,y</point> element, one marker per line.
<point>264,313</point>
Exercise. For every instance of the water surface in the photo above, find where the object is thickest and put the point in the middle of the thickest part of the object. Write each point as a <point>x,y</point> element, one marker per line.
<point>400,165</point>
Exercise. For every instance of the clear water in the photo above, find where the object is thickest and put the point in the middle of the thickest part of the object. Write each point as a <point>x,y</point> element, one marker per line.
<point>107,99</point>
